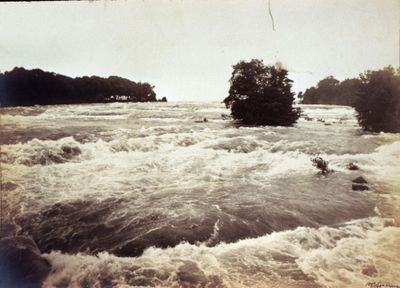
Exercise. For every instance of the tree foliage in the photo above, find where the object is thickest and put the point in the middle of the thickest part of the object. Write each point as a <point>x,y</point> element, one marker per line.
<point>378,103</point>
<point>21,87</point>
<point>332,92</point>
<point>261,95</point>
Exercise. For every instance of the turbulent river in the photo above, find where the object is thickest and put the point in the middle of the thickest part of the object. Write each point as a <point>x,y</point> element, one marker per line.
<point>149,194</point>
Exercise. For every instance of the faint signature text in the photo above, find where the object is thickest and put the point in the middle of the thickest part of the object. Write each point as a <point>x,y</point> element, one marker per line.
<point>382,285</point>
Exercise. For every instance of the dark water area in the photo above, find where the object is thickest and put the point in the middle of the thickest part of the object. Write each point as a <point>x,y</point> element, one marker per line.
<point>146,194</point>
<point>93,227</point>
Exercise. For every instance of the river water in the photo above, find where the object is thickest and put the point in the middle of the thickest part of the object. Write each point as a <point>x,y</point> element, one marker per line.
<point>147,194</point>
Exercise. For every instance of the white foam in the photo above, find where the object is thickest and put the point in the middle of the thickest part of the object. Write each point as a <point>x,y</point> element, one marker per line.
<point>347,256</point>
<point>156,164</point>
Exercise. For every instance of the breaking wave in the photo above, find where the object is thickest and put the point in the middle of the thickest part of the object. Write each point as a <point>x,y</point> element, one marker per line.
<point>38,152</point>
<point>132,195</point>
<point>344,256</point>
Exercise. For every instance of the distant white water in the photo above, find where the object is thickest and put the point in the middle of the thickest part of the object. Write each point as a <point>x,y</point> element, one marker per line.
<point>147,194</point>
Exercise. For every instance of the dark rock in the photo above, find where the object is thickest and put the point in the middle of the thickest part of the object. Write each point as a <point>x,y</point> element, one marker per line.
<point>322,165</point>
<point>389,223</point>
<point>7,230</point>
<point>370,270</point>
<point>359,187</point>
<point>352,166</point>
<point>9,186</point>
<point>21,264</point>
<point>201,121</point>
<point>360,180</point>
<point>73,151</point>
<point>190,275</point>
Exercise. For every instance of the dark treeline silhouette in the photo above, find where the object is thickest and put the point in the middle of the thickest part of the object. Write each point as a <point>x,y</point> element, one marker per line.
<point>375,95</point>
<point>332,92</point>
<point>21,87</point>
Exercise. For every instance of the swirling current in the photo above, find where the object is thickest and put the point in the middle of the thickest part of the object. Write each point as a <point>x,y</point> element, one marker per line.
<point>151,195</point>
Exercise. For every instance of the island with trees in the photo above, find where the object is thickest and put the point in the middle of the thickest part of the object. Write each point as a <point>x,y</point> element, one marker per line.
<point>375,95</point>
<point>261,95</point>
<point>331,91</point>
<point>22,87</point>
<point>378,101</point>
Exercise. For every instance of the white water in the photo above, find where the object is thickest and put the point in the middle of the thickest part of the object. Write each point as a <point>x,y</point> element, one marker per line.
<point>237,207</point>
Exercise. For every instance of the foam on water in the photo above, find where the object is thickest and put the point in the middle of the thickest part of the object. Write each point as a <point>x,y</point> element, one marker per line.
<point>344,256</point>
<point>186,204</point>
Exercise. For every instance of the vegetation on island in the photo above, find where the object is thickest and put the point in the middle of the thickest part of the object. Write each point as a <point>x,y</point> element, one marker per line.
<point>378,102</point>
<point>261,95</point>
<point>21,87</point>
<point>375,95</point>
<point>331,91</point>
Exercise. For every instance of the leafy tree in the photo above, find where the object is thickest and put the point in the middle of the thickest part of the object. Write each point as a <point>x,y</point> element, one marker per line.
<point>261,95</point>
<point>327,89</point>
<point>348,90</point>
<point>332,92</point>
<point>378,103</point>
<point>328,82</point>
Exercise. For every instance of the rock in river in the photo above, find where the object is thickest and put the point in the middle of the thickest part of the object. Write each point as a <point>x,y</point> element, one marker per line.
<point>21,264</point>
<point>359,187</point>
<point>360,180</point>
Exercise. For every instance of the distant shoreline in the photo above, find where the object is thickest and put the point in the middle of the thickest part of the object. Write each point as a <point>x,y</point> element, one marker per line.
<point>21,87</point>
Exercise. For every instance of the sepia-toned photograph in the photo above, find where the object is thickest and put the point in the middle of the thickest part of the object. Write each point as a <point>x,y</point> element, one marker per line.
<point>200,144</point>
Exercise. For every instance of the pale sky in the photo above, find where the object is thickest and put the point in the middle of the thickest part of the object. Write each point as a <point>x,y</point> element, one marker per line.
<point>186,48</point>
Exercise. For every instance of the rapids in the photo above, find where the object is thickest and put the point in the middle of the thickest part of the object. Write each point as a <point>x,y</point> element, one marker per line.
<point>146,194</point>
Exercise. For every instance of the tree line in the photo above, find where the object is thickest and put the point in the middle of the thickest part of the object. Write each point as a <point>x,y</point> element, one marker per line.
<point>375,95</point>
<point>332,92</point>
<point>22,87</point>
<point>261,94</point>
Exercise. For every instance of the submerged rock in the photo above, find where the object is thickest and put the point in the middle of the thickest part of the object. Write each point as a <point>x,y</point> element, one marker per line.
<point>352,166</point>
<point>204,120</point>
<point>359,187</point>
<point>190,275</point>
<point>370,270</point>
<point>21,264</point>
<point>360,180</point>
<point>322,165</point>
<point>71,150</point>
<point>7,186</point>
